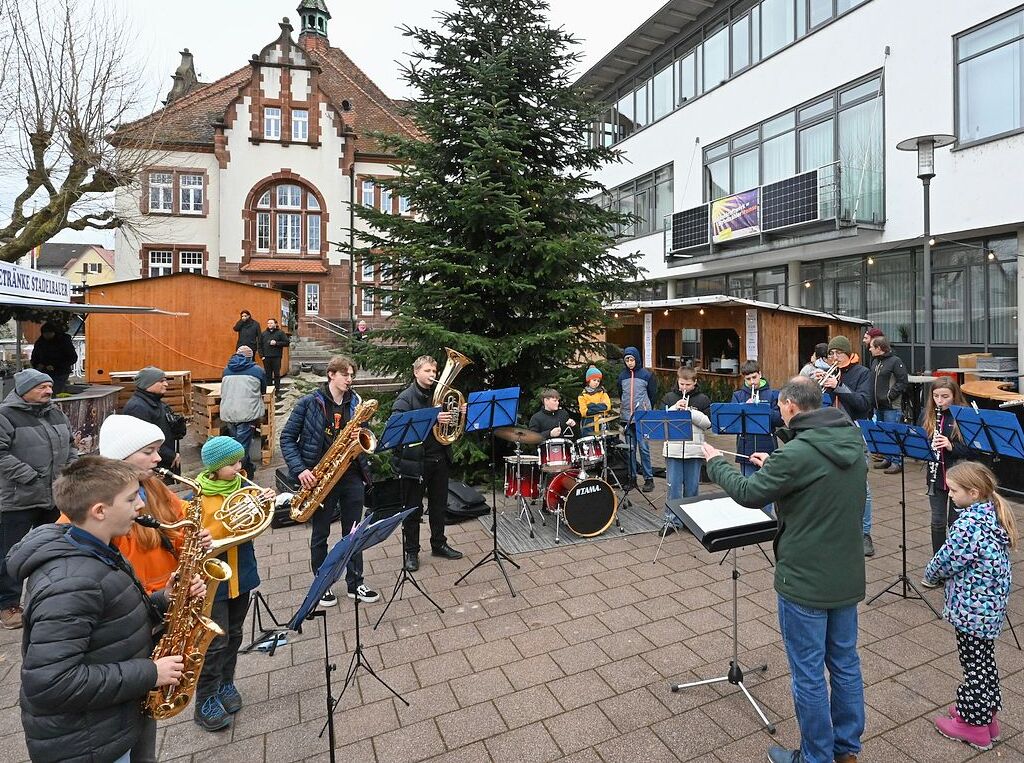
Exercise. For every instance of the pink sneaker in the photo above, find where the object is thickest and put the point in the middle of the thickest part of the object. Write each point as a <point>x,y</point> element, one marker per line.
<point>993,727</point>
<point>953,728</point>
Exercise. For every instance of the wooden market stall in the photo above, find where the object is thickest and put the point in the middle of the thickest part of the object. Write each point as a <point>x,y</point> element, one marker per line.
<point>716,334</point>
<point>199,339</point>
<point>207,423</point>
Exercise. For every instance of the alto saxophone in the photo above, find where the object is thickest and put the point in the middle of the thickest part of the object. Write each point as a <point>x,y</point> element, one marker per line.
<point>189,629</point>
<point>353,440</point>
<point>450,399</point>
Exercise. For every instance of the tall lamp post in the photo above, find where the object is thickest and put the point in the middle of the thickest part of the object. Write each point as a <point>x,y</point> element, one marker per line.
<point>925,146</point>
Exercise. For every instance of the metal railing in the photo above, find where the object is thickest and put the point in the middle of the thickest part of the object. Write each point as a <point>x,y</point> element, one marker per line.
<point>337,329</point>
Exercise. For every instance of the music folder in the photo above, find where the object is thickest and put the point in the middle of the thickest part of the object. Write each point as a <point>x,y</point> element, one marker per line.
<point>719,523</point>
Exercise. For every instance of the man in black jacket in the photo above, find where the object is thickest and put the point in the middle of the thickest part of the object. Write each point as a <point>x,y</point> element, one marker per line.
<point>86,664</point>
<point>54,354</point>
<point>147,404</point>
<point>248,331</point>
<point>552,421</point>
<point>272,343</point>
<point>423,468</point>
<point>890,382</point>
<point>852,391</point>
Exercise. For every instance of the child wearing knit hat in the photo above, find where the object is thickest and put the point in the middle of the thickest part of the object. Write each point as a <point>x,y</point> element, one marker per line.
<point>217,699</point>
<point>593,400</point>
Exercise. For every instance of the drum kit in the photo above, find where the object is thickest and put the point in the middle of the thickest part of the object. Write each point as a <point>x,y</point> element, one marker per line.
<point>568,477</point>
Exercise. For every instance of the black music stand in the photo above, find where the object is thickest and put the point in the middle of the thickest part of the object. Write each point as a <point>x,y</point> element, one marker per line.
<point>664,425</point>
<point>269,639</point>
<point>889,439</point>
<point>996,433</point>
<point>366,534</point>
<point>742,419</point>
<point>485,410</point>
<point>721,524</point>
<point>406,428</point>
<point>630,434</point>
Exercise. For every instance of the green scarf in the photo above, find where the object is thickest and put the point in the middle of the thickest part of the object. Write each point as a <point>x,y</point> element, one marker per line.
<point>213,486</point>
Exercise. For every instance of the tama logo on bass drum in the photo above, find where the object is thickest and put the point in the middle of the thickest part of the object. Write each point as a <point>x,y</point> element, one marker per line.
<point>588,489</point>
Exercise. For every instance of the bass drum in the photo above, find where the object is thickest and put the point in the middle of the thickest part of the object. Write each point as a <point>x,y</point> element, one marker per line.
<point>588,506</point>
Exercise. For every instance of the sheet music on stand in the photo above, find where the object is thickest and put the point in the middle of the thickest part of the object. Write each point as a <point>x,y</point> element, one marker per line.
<point>995,432</point>
<point>407,428</point>
<point>720,523</point>
<point>491,408</point>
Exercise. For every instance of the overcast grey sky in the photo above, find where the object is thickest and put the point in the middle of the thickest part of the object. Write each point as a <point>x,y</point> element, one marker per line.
<point>223,34</point>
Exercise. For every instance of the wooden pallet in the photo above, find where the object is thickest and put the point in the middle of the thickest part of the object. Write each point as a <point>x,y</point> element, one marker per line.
<point>179,390</point>
<point>206,422</point>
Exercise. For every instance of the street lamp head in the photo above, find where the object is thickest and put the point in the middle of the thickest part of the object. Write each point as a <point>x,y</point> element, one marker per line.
<point>925,146</point>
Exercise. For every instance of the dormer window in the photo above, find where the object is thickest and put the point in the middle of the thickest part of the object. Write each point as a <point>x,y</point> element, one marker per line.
<point>272,123</point>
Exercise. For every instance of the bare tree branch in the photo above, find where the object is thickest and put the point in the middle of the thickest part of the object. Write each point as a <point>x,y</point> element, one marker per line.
<point>66,87</point>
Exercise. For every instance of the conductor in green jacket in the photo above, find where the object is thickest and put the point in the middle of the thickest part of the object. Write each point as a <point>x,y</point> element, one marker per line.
<point>816,479</point>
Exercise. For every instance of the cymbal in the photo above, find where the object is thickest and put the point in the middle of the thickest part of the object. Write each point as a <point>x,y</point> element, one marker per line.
<point>520,435</point>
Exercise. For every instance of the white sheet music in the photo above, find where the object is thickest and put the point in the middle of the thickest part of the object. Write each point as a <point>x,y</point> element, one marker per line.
<point>723,513</point>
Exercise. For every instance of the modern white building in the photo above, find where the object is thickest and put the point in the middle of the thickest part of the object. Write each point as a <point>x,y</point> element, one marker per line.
<point>761,162</point>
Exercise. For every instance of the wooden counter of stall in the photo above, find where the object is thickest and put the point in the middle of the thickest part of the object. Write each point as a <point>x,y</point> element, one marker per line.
<point>206,423</point>
<point>779,336</point>
<point>990,395</point>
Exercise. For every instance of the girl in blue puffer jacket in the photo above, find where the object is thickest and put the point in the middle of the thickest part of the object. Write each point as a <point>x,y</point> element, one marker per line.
<point>975,563</point>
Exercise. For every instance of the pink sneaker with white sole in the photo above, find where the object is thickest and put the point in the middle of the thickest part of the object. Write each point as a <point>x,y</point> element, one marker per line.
<point>953,728</point>
<point>993,727</point>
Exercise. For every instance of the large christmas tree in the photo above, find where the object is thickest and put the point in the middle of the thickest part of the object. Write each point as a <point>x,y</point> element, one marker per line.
<point>505,260</point>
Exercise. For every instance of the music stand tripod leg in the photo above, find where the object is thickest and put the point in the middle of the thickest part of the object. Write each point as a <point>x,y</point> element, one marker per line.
<point>265,634</point>
<point>404,576</point>
<point>735,674</point>
<point>496,555</point>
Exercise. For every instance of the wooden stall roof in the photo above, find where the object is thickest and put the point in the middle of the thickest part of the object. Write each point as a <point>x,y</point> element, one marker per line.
<point>721,300</point>
<point>199,341</point>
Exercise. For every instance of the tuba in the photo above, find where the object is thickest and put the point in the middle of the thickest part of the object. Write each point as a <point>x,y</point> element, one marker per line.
<point>450,399</point>
<point>353,440</point>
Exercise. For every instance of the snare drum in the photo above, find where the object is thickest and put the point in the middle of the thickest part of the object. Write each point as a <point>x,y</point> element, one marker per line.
<point>522,476</point>
<point>590,450</point>
<point>588,506</point>
<point>557,454</point>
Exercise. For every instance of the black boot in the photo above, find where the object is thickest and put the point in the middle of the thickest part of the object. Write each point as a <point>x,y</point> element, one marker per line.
<point>938,538</point>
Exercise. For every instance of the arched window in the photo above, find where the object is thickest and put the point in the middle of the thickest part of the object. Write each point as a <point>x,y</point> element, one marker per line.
<point>287,220</point>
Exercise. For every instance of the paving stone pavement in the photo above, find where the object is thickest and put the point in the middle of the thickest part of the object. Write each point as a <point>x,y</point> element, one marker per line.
<point>577,665</point>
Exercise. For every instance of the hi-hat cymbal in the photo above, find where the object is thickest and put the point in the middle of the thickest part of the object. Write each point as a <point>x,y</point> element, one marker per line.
<point>520,435</point>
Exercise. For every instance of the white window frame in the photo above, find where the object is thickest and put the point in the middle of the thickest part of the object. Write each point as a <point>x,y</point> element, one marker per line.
<point>289,196</point>
<point>272,122</point>
<point>190,194</point>
<point>264,202</point>
<point>369,187</point>
<point>289,232</point>
<point>311,201</point>
<point>263,231</point>
<point>385,303</point>
<point>369,271</point>
<point>366,303</point>
<point>312,294</point>
<point>312,233</point>
<point>404,205</point>
<point>93,267</point>
<point>161,193</point>
<point>300,125</point>
<point>196,263</point>
<point>160,262</point>
<point>385,200</point>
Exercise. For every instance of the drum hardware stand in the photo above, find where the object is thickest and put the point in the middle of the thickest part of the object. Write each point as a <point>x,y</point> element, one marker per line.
<point>496,554</point>
<point>624,499</point>
<point>735,674</point>
<point>405,576</point>
<point>269,636</point>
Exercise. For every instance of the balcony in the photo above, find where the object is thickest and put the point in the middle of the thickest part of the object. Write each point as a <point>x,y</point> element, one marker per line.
<point>824,200</point>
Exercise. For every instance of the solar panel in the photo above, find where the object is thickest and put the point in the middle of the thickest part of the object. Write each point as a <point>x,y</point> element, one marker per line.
<point>790,202</point>
<point>690,228</point>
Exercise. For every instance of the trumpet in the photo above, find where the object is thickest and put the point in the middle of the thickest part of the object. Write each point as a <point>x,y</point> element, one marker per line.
<point>755,395</point>
<point>833,372</point>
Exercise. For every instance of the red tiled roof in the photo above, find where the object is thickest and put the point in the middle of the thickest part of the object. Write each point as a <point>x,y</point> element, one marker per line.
<point>190,119</point>
<point>284,266</point>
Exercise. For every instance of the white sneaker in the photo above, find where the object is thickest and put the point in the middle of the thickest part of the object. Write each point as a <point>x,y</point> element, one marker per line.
<point>364,594</point>
<point>329,599</point>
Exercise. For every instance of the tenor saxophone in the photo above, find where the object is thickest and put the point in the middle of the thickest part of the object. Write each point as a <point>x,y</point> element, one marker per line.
<point>450,399</point>
<point>353,440</point>
<point>188,627</point>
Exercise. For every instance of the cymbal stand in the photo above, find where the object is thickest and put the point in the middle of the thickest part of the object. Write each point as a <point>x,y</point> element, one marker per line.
<point>524,505</point>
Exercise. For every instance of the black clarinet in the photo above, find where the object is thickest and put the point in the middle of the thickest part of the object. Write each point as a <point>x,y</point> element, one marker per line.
<point>933,466</point>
